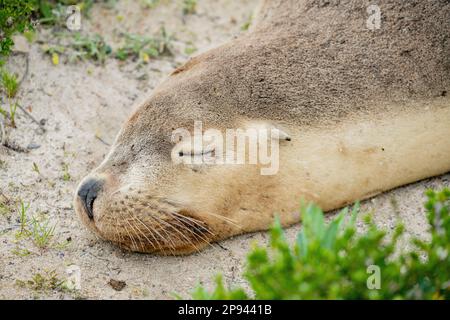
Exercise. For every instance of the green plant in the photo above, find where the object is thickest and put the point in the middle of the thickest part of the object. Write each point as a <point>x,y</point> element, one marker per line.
<point>12,113</point>
<point>66,175</point>
<point>19,16</point>
<point>54,52</point>
<point>23,220</point>
<point>36,168</point>
<point>91,47</point>
<point>189,6</point>
<point>190,48</point>
<point>15,16</point>
<point>38,227</point>
<point>4,206</point>
<point>21,252</point>
<point>144,48</point>
<point>150,4</point>
<point>30,35</point>
<point>48,281</point>
<point>3,112</point>
<point>49,12</point>
<point>53,12</point>
<point>335,262</point>
<point>7,205</point>
<point>247,23</point>
<point>80,47</point>
<point>9,83</point>
<point>41,232</point>
<point>10,86</point>
<point>2,162</point>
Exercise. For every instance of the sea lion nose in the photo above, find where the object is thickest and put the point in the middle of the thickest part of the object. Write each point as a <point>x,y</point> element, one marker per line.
<point>88,192</point>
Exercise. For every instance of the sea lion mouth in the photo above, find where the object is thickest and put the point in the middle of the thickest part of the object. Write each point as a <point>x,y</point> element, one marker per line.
<point>145,223</point>
<point>172,233</point>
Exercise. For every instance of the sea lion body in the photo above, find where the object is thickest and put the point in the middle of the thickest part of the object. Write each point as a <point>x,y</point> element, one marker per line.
<point>365,111</point>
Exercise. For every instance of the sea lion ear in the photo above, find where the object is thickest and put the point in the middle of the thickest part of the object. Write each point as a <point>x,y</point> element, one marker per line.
<point>282,133</point>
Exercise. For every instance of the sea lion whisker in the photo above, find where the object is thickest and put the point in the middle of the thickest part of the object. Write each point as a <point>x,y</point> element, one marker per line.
<point>137,230</point>
<point>166,239</point>
<point>230,221</point>
<point>143,234</point>
<point>194,222</point>
<point>128,232</point>
<point>119,235</point>
<point>197,227</point>
<point>139,240</point>
<point>195,234</point>
<point>130,236</point>
<point>189,242</point>
<point>151,233</point>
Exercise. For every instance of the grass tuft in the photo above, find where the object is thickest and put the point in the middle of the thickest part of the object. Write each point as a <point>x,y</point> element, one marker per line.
<point>9,83</point>
<point>23,220</point>
<point>143,48</point>
<point>47,281</point>
<point>38,229</point>
<point>41,232</point>
<point>66,175</point>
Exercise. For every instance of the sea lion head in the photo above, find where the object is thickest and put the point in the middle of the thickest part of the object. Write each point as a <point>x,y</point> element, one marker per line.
<point>146,197</point>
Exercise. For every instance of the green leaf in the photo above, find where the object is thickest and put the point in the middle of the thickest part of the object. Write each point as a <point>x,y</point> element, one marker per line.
<point>330,237</point>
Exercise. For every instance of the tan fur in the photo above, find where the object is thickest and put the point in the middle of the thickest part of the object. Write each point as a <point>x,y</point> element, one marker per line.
<point>367,111</point>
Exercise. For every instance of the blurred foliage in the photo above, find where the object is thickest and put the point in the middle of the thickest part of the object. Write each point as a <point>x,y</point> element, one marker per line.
<point>53,12</point>
<point>333,261</point>
<point>9,83</point>
<point>15,16</point>
<point>91,47</point>
<point>144,48</point>
<point>189,7</point>
<point>20,16</point>
<point>150,3</point>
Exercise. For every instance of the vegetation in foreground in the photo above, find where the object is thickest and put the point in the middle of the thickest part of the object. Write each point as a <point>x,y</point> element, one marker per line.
<point>333,261</point>
<point>15,16</point>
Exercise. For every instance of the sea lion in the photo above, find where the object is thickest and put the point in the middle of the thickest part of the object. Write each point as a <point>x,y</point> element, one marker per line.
<point>358,109</point>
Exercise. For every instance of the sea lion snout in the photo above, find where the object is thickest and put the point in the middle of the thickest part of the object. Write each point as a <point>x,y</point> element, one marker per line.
<point>92,194</point>
<point>87,194</point>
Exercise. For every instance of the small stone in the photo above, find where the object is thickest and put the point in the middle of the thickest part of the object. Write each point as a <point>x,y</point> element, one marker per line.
<point>33,146</point>
<point>117,285</point>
